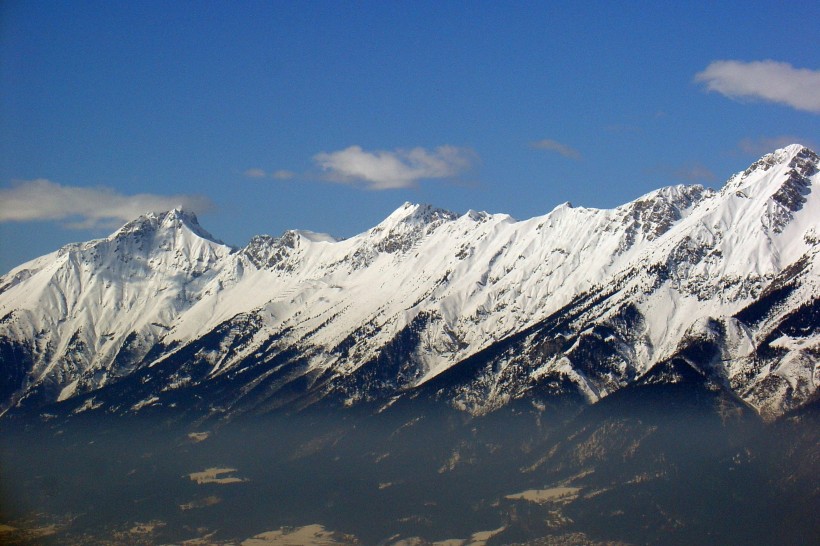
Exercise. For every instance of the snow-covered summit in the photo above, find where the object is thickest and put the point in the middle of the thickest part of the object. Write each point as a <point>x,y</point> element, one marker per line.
<point>150,223</point>
<point>791,155</point>
<point>417,213</point>
<point>91,310</point>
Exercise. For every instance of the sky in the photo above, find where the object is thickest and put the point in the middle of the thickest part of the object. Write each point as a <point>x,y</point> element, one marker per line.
<point>327,116</point>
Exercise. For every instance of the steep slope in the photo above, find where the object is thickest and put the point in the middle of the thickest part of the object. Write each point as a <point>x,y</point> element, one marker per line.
<point>726,293</point>
<point>87,314</point>
<point>478,309</point>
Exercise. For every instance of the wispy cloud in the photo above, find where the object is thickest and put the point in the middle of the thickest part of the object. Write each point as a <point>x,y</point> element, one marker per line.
<point>693,173</point>
<point>760,146</point>
<point>557,147</point>
<point>688,174</point>
<point>255,173</point>
<point>85,207</point>
<point>281,174</point>
<point>765,80</point>
<point>383,170</point>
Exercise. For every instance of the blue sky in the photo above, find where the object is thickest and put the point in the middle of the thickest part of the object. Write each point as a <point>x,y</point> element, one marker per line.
<point>265,116</point>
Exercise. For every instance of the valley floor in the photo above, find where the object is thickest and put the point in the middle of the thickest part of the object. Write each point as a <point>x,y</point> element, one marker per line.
<point>598,475</point>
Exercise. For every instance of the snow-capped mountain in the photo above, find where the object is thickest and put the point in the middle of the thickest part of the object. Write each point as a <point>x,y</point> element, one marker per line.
<point>478,309</point>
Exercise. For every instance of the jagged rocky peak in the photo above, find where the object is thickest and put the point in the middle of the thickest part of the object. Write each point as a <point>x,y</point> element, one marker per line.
<point>259,242</point>
<point>265,251</point>
<point>145,234</point>
<point>172,238</point>
<point>792,192</point>
<point>174,219</point>
<point>477,216</point>
<point>680,195</point>
<point>777,157</point>
<point>407,225</point>
<point>418,214</point>
<point>656,212</point>
<point>789,191</point>
<point>805,161</point>
<point>796,156</point>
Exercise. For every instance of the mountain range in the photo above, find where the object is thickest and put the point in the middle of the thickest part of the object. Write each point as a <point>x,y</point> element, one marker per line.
<point>478,311</point>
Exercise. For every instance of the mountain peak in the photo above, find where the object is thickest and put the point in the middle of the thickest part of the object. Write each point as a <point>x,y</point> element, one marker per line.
<point>418,214</point>
<point>805,160</point>
<point>793,155</point>
<point>269,252</point>
<point>793,149</point>
<point>781,156</point>
<point>174,219</point>
<point>178,213</point>
<point>674,193</point>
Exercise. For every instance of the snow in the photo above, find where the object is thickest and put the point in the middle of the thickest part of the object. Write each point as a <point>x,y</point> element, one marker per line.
<point>543,496</point>
<point>143,403</point>
<point>68,391</point>
<point>481,276</point>
<point>215,475</point>
<point>308,535</point>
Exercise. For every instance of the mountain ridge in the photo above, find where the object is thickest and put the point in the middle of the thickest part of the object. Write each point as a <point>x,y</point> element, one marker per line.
<point>384,312</point>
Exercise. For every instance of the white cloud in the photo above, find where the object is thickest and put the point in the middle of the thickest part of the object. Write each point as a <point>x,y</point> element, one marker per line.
<point>255,173</point>
<point>382,170</point>
<point>83,207</point>
<point>558,147</point>
<point>282,174</point>
<point>761,146</point>
<point>766,80</point>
